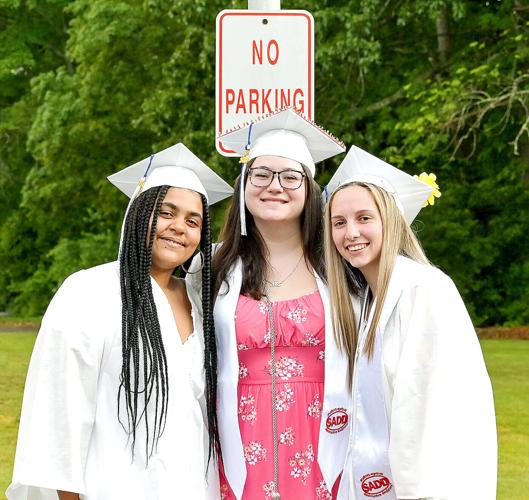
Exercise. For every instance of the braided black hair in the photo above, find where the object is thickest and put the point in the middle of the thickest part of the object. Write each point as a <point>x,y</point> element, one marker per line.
<point>144,365</point>
<point>210,347</point>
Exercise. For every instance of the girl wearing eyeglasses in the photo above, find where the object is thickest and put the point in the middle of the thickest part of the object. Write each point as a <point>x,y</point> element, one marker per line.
<point>283,398</point>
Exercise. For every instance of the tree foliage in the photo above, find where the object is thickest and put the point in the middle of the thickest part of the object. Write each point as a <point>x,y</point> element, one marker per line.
<point>89,86</point>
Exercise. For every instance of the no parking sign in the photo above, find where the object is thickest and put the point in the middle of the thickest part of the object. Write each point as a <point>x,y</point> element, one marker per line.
<point>265,61</point>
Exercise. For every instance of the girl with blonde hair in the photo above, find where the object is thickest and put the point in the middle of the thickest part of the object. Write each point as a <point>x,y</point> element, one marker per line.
<point>422,422</point>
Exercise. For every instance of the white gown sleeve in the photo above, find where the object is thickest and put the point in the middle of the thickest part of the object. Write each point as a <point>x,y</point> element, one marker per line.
<point>443,431</point>
<point>59,403</point>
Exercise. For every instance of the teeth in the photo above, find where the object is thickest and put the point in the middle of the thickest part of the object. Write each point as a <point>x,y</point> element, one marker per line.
<point>354,248</point>
<point>172,242</point>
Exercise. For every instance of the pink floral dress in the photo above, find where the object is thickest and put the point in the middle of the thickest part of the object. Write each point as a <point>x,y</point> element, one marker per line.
<point>300,356</point>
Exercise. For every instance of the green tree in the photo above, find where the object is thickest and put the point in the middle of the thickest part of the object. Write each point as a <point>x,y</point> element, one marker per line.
<point>32,39</point>
<point>88,87</point>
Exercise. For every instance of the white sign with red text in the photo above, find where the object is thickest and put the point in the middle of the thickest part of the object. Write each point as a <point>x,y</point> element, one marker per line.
<point>265,61</point>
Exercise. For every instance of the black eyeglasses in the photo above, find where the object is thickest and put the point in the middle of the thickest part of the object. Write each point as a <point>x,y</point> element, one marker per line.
<point>263,177</point>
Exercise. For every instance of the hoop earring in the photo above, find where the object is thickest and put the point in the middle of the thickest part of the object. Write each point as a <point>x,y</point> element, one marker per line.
<point>201,264</point>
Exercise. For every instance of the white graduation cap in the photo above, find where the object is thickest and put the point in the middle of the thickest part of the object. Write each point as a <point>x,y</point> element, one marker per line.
<point>285,133</point>
<point>409,193</point>
<point>175,166</point>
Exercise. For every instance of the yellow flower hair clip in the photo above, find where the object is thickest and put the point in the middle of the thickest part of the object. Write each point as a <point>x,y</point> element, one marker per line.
<point>430,180</point>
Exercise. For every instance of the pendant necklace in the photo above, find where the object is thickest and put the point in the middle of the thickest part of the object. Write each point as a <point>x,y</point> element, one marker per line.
<point>277,284</point>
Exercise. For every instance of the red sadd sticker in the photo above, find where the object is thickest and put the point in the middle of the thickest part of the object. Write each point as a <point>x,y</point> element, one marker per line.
<point>336,420</point>
<point>375,484</point>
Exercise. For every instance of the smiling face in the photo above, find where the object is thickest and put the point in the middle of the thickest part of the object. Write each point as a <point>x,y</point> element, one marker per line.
<point>275,203</point>
<point>178,229</point>
<point>357,230</point>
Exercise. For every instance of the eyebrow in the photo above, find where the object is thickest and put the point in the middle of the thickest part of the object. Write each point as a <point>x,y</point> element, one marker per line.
<point>286,169</point>
<point>361,211</point>
<point>174,207</point>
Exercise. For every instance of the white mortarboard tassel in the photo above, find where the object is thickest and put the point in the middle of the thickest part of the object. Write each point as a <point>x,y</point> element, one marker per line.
<point>285,133</point>
<point>409,193</point>
<point>175,166</point>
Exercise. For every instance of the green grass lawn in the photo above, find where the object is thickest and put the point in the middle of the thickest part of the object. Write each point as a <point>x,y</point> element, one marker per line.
<point>508,365</point>
<point>507,361</point>
<point>15,350</point>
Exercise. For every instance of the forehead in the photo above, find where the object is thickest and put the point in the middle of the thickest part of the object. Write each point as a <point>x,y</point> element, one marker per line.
<point>184,199</point>
<point>352,199</point>
<point>277,163</point>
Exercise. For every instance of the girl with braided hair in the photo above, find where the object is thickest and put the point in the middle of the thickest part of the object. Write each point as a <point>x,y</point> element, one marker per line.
<point>120,395</point>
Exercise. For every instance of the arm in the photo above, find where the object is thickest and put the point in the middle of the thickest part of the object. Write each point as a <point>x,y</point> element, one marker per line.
<point>60,396</point>
<point>442,413</point>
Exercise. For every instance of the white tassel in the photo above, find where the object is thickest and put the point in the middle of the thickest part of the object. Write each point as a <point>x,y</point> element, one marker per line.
<point>242,204</point>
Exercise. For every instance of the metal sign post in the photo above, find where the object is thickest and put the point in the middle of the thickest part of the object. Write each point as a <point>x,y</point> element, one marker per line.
<point>264,4</point>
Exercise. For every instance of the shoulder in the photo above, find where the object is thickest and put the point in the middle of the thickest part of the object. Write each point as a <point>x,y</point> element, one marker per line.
<point>88,288</point>
<point>409,274</point>
<point>100,275</point>
<point>218,251</point>
<point>85,309</point>
<point>424,291</point>
<point>415,286</point>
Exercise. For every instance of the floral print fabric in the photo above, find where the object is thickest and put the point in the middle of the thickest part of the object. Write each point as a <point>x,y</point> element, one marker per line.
<point>299,361</point>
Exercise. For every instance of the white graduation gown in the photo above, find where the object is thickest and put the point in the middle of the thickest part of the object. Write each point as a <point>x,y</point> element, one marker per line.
<point>70,438</point>
<point>438,397</point>
<point>332,446</point>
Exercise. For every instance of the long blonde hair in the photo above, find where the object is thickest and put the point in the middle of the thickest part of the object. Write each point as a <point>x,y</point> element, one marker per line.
<point>344,280</point>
